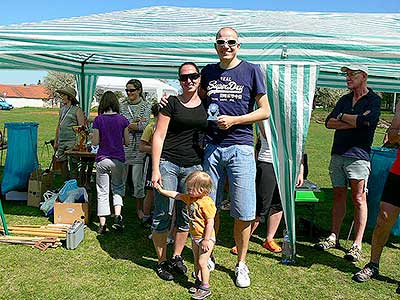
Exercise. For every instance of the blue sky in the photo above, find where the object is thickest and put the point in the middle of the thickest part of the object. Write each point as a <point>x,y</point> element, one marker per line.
<point>19,11</point>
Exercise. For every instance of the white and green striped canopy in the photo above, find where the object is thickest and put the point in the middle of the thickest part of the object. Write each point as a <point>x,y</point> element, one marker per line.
<point>297,50</point>
<point>152,41</point>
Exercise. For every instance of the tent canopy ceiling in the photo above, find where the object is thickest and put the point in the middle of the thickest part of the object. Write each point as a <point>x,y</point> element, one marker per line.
<point>152,41</point>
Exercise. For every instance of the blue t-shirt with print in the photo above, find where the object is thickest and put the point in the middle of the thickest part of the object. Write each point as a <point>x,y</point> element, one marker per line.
<point>234,91</point>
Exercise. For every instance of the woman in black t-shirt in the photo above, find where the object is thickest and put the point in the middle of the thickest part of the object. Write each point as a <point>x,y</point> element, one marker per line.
<point>176,153</point>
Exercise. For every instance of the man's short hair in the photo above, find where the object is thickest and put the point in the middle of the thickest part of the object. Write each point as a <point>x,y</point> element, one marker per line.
<point>227,27</point>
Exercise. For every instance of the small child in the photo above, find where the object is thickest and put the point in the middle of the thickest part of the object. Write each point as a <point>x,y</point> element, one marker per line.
<point>110,132</point>
<point>145,146</point>
<point>201,210</point>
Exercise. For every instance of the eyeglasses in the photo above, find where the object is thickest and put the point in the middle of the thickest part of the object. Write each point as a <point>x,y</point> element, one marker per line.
<point>351,74</point>
<point>230,43</point>
<point>191,76</point>
<point>130,90</point>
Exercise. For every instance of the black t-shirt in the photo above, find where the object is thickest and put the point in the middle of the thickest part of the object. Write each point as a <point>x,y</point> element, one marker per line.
<point>185,130</point>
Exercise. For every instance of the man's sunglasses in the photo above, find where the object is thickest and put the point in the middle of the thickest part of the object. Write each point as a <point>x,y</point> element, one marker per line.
<point>192,76</point>
<point>130,90</point>
<point>230,43</point>
<point>351,74</point>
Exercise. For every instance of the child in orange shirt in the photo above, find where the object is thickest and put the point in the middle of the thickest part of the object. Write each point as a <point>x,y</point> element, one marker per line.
<point>201,211</point>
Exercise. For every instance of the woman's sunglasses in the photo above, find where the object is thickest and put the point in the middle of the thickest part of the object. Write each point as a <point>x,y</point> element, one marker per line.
<point>130,90</point>
<point>192,76</point>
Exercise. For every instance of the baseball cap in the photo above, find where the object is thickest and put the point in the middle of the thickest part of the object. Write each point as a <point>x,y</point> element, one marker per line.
<point>355,68</point>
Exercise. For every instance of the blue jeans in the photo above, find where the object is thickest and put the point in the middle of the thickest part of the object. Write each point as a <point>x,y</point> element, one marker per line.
<point>173,179</point>
<point>236,162</point>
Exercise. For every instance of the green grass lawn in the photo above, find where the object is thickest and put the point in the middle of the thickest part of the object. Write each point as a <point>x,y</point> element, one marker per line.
<point>120,266</point>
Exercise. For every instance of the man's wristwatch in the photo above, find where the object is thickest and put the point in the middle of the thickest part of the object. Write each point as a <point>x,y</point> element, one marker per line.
<point>340,116</point>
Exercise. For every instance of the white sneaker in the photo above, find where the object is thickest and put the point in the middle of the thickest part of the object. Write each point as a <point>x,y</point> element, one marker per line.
<point>242,275</point>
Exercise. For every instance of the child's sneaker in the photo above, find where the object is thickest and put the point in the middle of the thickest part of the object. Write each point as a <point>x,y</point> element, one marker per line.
<point>102,229</point>
<point>353,254</point>
<point>118,223</point>
<point>162,271</point>
<point>178,265</point>
<point>195,286</point>
<point>272,246</point>
<point>201,293</point>
<point>369,271</point>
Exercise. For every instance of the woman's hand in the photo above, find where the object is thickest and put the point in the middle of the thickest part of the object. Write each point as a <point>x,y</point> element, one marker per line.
<point>133,126</point>
<point>156,179</point>
<point>300,177</point>
<point>300,181</point>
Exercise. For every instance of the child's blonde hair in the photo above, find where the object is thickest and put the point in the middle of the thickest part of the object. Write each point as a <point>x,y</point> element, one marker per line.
<point>199,181</point>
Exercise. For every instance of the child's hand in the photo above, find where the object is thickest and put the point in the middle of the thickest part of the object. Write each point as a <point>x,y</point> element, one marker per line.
<point>158,188</point>
<point>206,245</point>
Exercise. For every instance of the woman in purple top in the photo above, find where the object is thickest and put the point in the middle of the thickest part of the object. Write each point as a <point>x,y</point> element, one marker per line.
<point>110,132</point>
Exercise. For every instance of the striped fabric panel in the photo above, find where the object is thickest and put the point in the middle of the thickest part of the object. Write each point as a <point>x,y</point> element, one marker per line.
<point>336,79</point>
<point>290,90</point>
<point>86,87</point>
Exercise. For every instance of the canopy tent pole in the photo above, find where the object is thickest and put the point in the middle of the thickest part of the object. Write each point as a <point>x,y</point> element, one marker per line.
<point>290,90</point>
<point>3,220</point>
<point>86,87</point>
<point>394,102</point>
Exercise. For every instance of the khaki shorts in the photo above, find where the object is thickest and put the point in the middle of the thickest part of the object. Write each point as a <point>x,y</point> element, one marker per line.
<point>342,169</point>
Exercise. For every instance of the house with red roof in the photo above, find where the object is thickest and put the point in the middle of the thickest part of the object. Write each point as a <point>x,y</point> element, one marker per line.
<point>32,95</point>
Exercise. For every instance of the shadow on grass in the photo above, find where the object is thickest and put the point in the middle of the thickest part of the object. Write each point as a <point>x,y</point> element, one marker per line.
<point>309,256</point>
<point>133,244</point>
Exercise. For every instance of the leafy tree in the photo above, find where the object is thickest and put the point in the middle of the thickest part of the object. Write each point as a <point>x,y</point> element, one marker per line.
<point>57,80</point>
<point>327,97</point>
<point>387,101</point>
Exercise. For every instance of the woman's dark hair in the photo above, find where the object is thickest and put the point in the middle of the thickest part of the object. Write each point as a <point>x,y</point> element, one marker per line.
<point>155,109</point>
<point>108,102</point>
<point>137,84</point>
<point>190,64</point>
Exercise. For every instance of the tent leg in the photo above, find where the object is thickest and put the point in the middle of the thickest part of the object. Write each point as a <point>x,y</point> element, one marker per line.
<point>3,219</point>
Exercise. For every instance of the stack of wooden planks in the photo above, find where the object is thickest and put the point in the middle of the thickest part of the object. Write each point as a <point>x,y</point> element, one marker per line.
<point>37,236</point>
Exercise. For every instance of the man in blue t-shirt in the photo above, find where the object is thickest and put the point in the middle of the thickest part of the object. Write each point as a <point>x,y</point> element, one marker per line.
<point>231,88</point>
<point>354,119</point>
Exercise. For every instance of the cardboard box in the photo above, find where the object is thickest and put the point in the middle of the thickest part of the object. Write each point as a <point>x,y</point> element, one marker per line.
<point>39,183</point>
<point>67,213</point>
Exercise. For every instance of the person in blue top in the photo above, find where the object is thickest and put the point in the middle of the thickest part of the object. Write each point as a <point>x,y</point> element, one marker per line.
<point>354,119</point>
<point>231,89</point>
